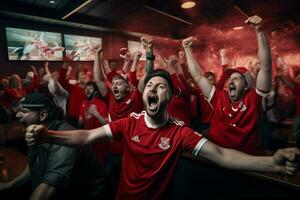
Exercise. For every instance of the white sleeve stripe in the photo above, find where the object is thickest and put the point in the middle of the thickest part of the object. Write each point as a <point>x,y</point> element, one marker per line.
<point>199,146</point>
<point>108,132</point>
<point>211,94</point>
<point>263,94</point>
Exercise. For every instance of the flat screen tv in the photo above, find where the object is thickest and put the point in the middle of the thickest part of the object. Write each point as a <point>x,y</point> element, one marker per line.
<point>26,44</point>
<point>134,46</point>
<point>81,48</point>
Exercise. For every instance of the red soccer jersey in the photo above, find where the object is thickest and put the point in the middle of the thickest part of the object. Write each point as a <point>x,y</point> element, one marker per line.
<point>179,105</point>
<point>122,109</point>
<point>90,122</point>
<point>235,125</point>
<point>206,110</point>
<point>150,154</point>
<point>296,92</point>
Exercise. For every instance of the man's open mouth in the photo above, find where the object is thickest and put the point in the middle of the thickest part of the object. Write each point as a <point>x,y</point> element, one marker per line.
<point>152,102</point>
<point>116,92</point>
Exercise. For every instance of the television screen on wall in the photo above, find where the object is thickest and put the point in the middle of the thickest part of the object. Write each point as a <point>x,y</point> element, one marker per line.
<point>81,48</point>
<point>26,44</point>
<point>134,46</point>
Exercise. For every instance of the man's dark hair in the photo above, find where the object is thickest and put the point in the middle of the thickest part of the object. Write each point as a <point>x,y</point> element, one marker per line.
<point>95,87</point>
<point>161,73</point>
<point>207,74</point>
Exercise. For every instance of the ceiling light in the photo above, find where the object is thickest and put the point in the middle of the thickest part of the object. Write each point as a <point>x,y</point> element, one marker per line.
<point>52,2</point>
<point>188,4</point>
<point>238,28</point>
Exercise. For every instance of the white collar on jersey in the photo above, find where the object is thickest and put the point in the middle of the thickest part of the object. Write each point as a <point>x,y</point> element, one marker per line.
<point>154,126</point>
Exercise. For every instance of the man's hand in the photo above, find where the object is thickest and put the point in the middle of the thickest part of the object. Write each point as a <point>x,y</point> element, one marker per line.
<point>124,54</point>
<point>93,110</point>
<point>147,42</point>
<point>223,52</point>
<point>287,160</point>
<point>256,22</point>
<point>35,134</point>
<point>181,56</point>
<point>137,55</point>
<point>186,43</point>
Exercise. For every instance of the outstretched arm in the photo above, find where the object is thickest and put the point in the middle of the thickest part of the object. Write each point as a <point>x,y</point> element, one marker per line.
<point>40,134</point>
<point>285,161</point>
<point>98,73</point>
<point>264,76</point>
<point>194,68</point>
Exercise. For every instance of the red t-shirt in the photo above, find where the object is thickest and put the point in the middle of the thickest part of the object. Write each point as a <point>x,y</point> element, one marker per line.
<point>150,154</point>
<point>91,122</point>
<point>206,110</point>
<point>179,105</point>
<point>235,125</point>
<point>76,94</point>
<point>296,92</point>
<point>122,109</point>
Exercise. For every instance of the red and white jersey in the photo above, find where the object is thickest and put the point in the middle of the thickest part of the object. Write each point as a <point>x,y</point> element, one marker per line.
<point>235,124</point>
<point>150,154</point>
<point>118,109</point>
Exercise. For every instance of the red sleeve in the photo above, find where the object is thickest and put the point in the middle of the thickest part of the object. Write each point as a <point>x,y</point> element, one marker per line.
<point>118,128</point>
<point>179,87</point>
<point>132,79</point>
<point>62,79</point>
<point>222,79</point>
<point>32,86</point>
<point>192,141</point>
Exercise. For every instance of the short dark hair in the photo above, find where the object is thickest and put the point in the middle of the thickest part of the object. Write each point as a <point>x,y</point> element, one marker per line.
<point>207,74</point>
<point>161,73</point>
<point>94,85</point>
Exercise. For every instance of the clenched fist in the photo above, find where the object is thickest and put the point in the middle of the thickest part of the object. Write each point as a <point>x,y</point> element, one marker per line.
<point>35,134</point>
<point>256,22</point>
<point>188,42</point>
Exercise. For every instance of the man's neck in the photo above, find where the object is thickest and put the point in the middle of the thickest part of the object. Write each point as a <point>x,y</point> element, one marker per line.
<point>159,119</point>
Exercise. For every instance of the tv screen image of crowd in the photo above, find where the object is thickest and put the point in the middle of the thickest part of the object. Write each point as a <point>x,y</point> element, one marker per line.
<point>26,44</point>
<point>81,48</point>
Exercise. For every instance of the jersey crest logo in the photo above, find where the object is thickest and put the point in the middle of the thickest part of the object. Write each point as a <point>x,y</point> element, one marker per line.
<point>135,138</point>
<point>164,143</point>
<point>128,101</point>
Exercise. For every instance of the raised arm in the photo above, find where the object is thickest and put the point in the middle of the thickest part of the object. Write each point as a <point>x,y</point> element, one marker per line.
<point>264,76</point>
<point>194,68</point>
<point>98,73</point>
<point>40,134</point>
<point>147,43</point>
<point>133,69</point>
<point>125,55</point>
<point>285,161</point>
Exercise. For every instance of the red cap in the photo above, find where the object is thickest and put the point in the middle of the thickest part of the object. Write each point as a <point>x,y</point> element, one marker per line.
<point>242,70</point>
<point>118,73</point>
